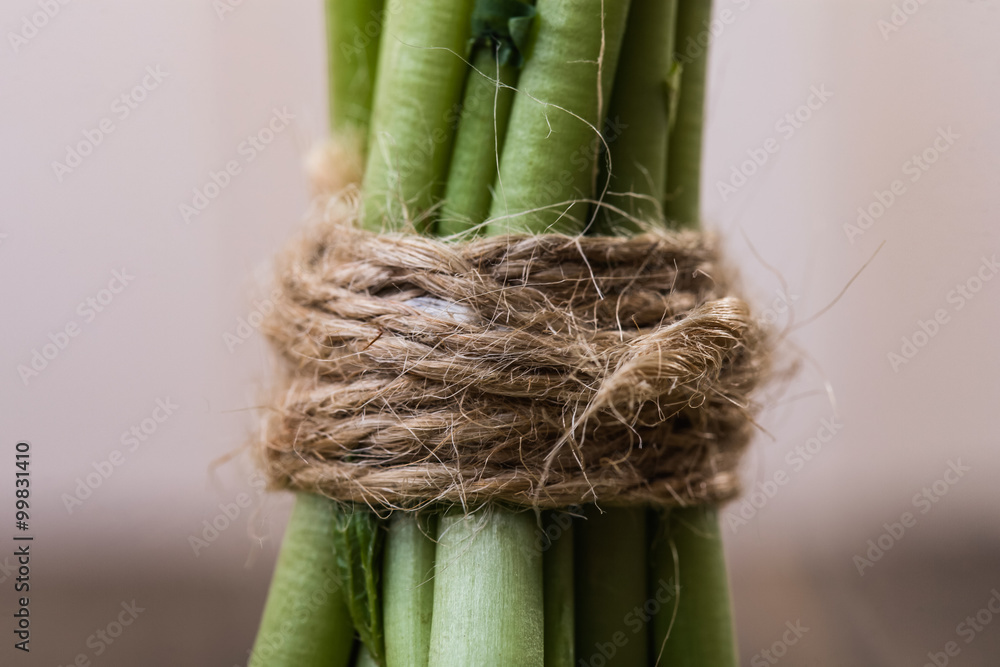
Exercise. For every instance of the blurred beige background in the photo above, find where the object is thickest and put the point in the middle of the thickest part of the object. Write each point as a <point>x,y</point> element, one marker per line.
<point>831,102</point>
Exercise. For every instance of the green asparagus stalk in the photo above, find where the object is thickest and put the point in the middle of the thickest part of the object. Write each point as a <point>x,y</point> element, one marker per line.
<point>480,135</point>
<point>611,584</point>
<point>501,31</point>
<point>639,117</point>
<point>352,57</point>
<point>558,572</point>
<point>306,622</point>
<point>408,591</point>
<point>422,72</point>
<point>682,202</point>
<point>688,548</point>
<point>548,164</point>
<point>689,554</point>
<point>488,607</point>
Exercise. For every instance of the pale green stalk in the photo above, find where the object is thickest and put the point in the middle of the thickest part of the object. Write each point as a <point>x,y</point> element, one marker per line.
<point>553,136</point>
<point>408,589</point>
<point>478,140</point>
<point>417,97</point>
<point>488,607</point>
<point>638,121</point>
<point>352,30</point>
<point>306,622</point>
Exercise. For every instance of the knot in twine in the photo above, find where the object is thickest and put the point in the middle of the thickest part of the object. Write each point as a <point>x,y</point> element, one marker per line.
<point>536,370</point>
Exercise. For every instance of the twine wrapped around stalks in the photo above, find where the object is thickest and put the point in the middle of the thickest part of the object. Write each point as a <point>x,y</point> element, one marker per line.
<point>535,370</point>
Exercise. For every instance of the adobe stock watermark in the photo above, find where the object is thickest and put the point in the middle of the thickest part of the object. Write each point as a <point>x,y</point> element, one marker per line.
<point>780,306</point>
<point>633,621</point>
<point>32,24</point>
<point>773,654</point>
<point>900,15</point>
<point>247,151</point>
<point>967,630</point>
<point>228,513</point>
<point>923,501</point>
<point>246,326</point>
<point>795,460</point>
<point>957,298</point>
<point>121,108</point>
<point>914,168</point>
<point>102,638</point>
<point>58,341</point>
<point>785,127</point>
<point>131,440</point>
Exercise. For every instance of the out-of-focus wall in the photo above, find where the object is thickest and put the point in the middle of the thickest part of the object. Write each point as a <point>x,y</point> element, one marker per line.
<point>816,110</point>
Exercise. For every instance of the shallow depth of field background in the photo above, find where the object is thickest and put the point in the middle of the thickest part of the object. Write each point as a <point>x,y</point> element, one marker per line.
<point>878,98</point>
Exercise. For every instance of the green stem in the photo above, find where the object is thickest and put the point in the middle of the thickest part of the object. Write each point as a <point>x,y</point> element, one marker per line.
<point>684,176</point>
<point>417,95</point>
<point>306,622</point>
<point>611,572</point>
<point>553,137</point>
<point>638,120</point>
<point>559,596</point>
<point>701,634</point>
<point>488,608</point>
<point>480,136</point>
<point>352,56</point>
<point>408,590</point>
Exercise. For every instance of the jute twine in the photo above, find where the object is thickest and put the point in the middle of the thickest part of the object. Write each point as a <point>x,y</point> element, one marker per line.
<point>536,370</point>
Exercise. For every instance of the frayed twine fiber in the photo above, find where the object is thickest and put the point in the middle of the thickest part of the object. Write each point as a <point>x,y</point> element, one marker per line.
<point>536,370</point>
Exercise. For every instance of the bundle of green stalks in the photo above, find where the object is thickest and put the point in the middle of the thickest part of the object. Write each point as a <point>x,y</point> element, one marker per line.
<point>491,117</point>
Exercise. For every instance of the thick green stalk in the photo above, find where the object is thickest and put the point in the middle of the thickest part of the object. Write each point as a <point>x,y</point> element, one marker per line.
<point>417,94</point>
<point>559,596</point>
<point>488,607</point>
<point>638,120</point>
<point>352,28</point>
<point>681,204</point>
<point>306,622</point>
<point>478,140</point>
<point>553,137</point>
<point>408,589</point>
<point>701,634</point>
<point>611,572</point>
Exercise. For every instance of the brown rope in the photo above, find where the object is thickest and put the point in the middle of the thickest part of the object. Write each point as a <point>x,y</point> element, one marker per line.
<point>542,370</point>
